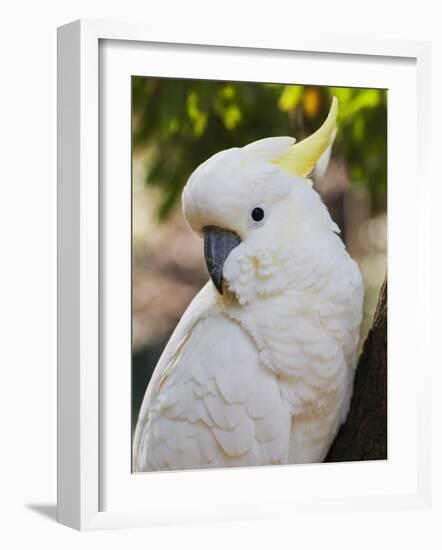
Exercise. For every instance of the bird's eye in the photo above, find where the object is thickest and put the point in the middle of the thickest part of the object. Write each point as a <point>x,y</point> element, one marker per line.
<point>257,216</point>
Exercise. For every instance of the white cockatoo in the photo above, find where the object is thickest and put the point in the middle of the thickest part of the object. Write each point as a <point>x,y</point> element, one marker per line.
<point>260,368</point>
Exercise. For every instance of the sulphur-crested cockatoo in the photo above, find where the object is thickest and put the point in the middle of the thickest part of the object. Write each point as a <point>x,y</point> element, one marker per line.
<point>260,367</point>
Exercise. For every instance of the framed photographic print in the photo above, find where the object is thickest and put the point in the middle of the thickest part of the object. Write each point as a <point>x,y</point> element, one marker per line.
<point>228,214</point>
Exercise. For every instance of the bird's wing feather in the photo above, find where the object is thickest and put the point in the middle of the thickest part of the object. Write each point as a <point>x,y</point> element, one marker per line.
<point>200,306</point>
<point>211,403</point>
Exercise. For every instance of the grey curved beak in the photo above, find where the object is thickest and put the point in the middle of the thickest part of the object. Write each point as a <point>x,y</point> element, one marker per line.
<point>218,243</point>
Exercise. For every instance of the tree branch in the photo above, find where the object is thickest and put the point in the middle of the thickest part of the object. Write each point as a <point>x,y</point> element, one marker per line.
<point>364,434</point>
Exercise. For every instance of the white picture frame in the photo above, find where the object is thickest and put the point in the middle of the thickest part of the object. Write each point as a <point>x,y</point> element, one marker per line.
<point>91,495</point>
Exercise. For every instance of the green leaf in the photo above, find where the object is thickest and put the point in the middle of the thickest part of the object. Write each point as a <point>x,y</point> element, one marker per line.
<point>197,117</point>
<point>290,97</point>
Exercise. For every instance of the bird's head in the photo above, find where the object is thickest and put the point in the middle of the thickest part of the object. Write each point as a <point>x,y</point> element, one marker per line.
<point>254,207</point>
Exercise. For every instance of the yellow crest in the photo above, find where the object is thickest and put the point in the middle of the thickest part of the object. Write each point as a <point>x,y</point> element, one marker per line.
<point>303,156</point>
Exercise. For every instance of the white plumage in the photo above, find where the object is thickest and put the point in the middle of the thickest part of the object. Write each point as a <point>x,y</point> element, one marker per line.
<point>262,373</point>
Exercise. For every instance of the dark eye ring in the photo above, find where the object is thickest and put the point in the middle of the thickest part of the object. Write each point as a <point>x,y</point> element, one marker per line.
<point>257,214</point>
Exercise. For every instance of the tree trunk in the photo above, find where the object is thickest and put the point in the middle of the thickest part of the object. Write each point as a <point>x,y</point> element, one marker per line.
<point>364,434</point>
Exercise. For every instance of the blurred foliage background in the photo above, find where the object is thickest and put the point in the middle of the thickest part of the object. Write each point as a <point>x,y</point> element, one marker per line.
<point>178,124</point>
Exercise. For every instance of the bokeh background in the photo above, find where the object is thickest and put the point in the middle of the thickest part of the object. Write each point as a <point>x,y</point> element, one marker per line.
<point>177,124</point>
